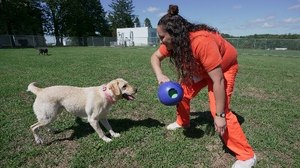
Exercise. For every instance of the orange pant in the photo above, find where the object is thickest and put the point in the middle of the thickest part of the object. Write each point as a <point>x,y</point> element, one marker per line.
<point>234,137</point>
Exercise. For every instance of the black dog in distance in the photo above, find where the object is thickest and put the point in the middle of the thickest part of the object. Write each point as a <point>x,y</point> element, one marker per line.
<point>43,51</point>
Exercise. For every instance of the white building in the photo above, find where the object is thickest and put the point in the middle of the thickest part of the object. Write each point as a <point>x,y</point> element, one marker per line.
<point>136,36</point>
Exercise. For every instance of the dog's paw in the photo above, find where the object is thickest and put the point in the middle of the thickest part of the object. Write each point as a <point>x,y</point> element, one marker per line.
<point>106,139</point>
<point>115,134</point>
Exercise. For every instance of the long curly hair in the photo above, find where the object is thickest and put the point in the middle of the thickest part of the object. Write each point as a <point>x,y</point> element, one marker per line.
<point>179,29</point>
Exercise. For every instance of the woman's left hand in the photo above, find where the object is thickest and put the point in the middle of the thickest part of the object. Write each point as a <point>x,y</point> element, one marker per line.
<point>220,125</point>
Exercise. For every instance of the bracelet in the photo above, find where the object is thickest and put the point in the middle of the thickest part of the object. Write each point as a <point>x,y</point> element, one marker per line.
<point>222,115</point>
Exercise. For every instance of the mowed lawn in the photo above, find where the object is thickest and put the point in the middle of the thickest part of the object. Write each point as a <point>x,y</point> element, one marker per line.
<point>266,101</point>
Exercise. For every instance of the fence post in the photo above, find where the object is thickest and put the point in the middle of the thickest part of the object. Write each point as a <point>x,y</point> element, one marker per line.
<point>9,36</point>
<point>33,42</point>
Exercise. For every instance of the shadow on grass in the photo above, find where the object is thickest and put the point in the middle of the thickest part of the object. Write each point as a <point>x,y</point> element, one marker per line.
<point>83,129</point>
<point>204,119</point>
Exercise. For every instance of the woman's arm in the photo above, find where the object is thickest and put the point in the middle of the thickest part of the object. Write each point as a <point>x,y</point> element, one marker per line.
<point>217,78</point>
<point>156,59</point>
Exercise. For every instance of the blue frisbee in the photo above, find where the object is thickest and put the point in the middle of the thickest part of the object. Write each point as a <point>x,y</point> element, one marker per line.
<point>170,93</point>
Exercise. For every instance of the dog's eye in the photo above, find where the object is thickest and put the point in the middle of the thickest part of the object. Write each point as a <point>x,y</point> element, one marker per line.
<point>124,87</point>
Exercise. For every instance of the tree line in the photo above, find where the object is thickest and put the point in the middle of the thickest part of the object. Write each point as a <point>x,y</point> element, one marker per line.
<point>61,18</point>
<point>266,36</point>
<point>266,41</point>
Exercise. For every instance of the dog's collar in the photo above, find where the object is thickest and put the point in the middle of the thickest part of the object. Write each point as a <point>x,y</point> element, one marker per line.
<point>107,95</point>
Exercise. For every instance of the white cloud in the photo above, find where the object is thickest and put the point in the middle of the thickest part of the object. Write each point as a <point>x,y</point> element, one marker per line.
<point>292,20</point>
<point>261,20</point>
<point>294,7</point>
<point>270,17</point>
<point>267,25</point>
<point>152,9</point>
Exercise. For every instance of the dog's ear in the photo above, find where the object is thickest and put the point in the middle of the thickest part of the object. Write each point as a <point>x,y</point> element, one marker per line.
<point>115,88</point>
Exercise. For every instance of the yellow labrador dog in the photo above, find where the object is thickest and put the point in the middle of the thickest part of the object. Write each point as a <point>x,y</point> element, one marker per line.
<point>91,103</point>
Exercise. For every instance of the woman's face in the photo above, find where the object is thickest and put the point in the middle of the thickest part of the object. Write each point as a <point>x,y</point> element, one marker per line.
<point>164,37</point>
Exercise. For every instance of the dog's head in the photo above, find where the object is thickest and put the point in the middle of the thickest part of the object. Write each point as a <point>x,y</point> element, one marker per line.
<point>122,89</point>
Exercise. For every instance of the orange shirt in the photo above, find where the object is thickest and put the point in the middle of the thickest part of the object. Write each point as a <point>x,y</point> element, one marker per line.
<point>210,50</point>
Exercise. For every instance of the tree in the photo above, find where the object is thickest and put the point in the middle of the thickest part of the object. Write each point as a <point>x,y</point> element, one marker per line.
<point>137,22</point>
<point>53,19</point>
<point>102,25</point>
<point>226,35</point>
<point>85,18</point>
<point>20,17</point>
<point>121,15</point>
<point>148,23</point>
<point>79,18</point>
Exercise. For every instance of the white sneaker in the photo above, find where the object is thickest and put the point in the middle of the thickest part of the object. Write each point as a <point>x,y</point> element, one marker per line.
<point>173,126</point>
<point>245,163</point>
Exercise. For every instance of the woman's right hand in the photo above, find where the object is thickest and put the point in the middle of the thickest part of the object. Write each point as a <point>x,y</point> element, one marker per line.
<point>156,59</point>
<point>162,78</point>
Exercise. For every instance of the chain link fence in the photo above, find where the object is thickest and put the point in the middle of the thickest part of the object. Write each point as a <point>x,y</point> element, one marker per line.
<point>29,41</point>
<point>32,41</point>
<point>267,44</point>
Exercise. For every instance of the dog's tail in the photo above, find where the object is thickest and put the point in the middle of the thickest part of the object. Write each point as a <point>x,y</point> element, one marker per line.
<point>32,88</point>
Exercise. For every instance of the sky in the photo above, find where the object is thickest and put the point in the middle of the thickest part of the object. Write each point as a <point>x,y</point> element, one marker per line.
<point>234,17</point>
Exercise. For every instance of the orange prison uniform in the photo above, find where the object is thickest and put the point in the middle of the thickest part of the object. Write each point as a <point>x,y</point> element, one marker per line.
<point>211,50</point>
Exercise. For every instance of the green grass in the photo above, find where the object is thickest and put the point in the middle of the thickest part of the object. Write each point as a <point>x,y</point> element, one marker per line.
<point>266,99</point>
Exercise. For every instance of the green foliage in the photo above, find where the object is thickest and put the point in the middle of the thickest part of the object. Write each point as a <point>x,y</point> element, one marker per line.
<point>83,17</point>
<point>266,100</point>
<point>20,17</point>
<point>274,36</point>
<point>265,43</point>
<point>80,18</point>
<point>148,23</point>
<point>137,22</point>
<point>266,36</point>
<point>121,15</point>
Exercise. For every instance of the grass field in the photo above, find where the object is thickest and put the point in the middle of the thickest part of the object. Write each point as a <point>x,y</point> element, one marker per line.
<point>266,101</point>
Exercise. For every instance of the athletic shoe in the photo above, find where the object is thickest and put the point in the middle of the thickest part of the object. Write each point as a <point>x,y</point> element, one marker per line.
<point>245,163</point>
<point>174,126</point>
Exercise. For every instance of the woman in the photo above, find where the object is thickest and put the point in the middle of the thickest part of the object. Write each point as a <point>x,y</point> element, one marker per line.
<point>202,58</point>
